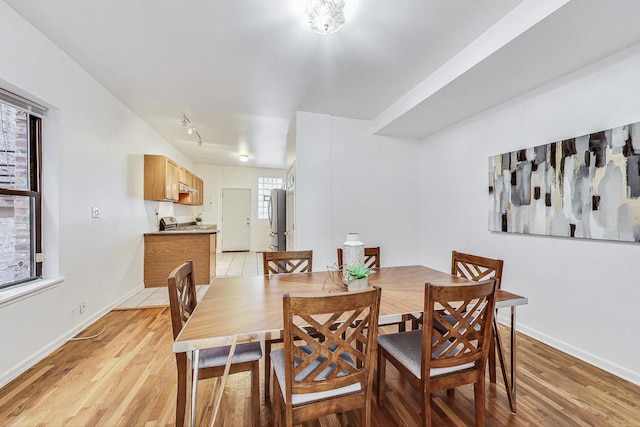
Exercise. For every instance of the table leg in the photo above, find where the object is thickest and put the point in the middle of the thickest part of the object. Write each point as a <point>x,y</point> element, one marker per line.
<point>513,359</point>
<point>195,360</point>
<point>509,383</point>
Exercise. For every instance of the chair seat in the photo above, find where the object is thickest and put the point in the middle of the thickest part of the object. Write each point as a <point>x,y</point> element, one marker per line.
<point>406,347</point>
<point>217,356</point>
<point>277,359</point>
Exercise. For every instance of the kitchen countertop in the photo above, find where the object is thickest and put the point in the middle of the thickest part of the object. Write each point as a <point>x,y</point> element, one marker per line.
<point>187,229</point>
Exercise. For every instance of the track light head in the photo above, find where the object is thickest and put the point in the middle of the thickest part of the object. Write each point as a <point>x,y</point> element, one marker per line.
<point>191,128</point>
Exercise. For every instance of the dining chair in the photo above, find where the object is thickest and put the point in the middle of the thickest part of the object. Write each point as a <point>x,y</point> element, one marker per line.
<point>287,262</point>
<point>325,373</point>
<point>278,263</point>
<point>475,268</point>
<point>182,302</point>
<point>433,360</point>
<point>371,257</point>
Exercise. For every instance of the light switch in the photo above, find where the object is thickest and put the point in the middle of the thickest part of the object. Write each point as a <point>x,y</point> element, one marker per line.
<point>95,212</point>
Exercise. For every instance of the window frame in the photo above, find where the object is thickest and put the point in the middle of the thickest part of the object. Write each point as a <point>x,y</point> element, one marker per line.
<point>265,185</point>
<point>34,141</point>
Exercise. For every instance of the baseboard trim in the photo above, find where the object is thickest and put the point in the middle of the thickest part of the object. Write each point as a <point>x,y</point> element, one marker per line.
<point>585,356</point>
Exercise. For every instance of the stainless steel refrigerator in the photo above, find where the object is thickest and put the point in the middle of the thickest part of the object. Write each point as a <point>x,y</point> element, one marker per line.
<point>278,220</point>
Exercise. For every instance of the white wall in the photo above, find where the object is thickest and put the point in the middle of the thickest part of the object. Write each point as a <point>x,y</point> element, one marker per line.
<point>93,150</point>
<point>349,180</point>
<point>582,293</point>
<point>217,178</point>
<point>313,228</point>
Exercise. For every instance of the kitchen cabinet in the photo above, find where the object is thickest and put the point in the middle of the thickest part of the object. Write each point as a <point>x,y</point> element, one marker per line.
<point>199,185</point>
<point>186,177</point>
<point>182,177</point>
<point>164,251</point>
<point>162,179</point>
<point>192,198</point>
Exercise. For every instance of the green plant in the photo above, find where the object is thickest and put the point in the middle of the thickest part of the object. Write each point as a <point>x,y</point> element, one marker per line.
<point>358,272</point>
<point>198,218</point>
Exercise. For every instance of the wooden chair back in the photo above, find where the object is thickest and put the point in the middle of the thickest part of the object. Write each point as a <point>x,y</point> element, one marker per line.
<point>466,339</point>
<point>371,257</point>
<point>276,263</point>
<point>339,321</point>
<point>287,262</point>
<point>182,295</point>
<point>476,268</point>
<point>463,345</point>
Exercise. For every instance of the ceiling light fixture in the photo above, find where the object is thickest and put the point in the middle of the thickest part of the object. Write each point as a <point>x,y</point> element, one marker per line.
<point>325,16</point>
<point>243,158</point>
<point>191,128</point>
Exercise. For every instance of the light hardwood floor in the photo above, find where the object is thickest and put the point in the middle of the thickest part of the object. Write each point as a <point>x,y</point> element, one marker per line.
<point>126,377</point>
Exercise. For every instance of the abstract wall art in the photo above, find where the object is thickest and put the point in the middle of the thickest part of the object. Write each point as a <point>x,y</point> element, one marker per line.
<point>585,187</point>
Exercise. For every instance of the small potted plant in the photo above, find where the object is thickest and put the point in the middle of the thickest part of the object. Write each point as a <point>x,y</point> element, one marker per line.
<point>198,220</point>
<point>357,278</point>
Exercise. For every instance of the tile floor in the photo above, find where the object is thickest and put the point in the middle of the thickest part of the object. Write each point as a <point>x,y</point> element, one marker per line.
<point>233,264</point>
<point>228,264</point>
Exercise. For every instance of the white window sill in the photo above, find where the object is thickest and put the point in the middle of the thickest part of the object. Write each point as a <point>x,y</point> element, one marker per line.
<point>20,292</point>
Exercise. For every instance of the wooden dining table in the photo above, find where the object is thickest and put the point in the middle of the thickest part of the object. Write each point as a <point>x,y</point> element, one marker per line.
<point>249,308</point>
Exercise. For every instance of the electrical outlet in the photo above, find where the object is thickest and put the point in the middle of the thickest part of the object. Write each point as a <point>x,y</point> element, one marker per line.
<point>95,212</point>
<point>83,306</point>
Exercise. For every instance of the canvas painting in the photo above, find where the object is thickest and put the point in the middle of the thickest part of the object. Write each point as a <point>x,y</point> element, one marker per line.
<point>585,187</point>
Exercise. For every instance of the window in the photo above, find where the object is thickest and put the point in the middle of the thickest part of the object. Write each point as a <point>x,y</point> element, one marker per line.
<point>20,197</point>
<point>265,185</point>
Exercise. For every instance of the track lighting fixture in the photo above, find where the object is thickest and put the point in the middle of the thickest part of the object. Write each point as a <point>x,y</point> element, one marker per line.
<point>191,128</point>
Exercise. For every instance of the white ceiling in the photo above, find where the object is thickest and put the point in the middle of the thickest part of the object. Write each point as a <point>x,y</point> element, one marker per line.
<point>240,69</point>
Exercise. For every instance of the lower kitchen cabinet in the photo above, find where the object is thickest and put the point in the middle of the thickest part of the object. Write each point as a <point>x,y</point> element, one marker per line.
<point>164,251</point>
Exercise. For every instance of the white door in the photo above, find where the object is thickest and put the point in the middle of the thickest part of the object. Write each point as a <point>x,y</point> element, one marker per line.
<point>236,219</point>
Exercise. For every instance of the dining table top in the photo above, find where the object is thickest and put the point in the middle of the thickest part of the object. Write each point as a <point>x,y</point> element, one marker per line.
<point>250,307</point>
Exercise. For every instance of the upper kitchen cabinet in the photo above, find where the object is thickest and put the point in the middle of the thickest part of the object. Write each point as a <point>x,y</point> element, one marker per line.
<point>199,186</point>
<point>161,176</point>
<point>191,190</point>
<point>167,181</point>
<point>185,177</point>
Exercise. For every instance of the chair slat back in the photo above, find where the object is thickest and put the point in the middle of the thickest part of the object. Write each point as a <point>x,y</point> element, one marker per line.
<point>329,358</point>
<point>287,262</point>
<point>466,338</point>
<point>476,268</point>
<point>371,257</point>
<point>182,295</point>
